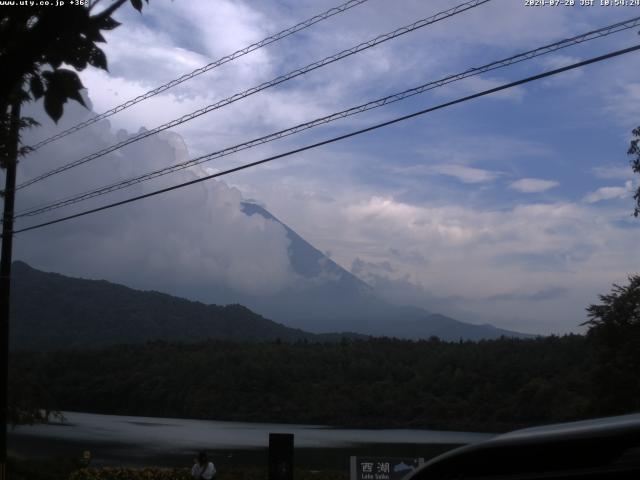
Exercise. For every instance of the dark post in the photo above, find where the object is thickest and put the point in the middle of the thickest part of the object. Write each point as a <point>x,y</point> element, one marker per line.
<point>5,275</point>
<point>280,456</point>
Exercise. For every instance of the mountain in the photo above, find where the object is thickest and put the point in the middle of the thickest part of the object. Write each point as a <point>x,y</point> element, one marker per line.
<point>329,298</point>
<point>51,311</point>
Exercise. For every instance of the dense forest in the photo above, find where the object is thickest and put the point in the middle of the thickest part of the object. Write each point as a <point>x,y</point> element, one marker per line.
<point>491,385</point>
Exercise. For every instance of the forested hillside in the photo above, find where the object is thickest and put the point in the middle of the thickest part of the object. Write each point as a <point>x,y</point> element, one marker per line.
<point>486,386</point>
<point>52,311</point>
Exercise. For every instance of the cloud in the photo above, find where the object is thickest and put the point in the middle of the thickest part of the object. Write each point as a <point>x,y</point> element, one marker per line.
<point>609,193</point>
<point>548,293</point>
<point>478,84</point>
<point>470,253</point>
<point>364,269</point>
<point>566,78</point>
<point>194,241</point>
<point>173,39</point>
<point>378,199</point>
<point>462,173</point>
<point>613,172</point>
<point>466,174</point>
<point>621,98</point>
<point>399,288</point>
<point>533,185</point>
<point>469,148</point>
<point>559,60</point>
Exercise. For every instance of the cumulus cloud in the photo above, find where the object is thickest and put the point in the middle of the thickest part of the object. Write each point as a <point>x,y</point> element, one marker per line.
<point>374,202</point>
<point>533,185</point>
<point>196,240</point>
<point>173,39</point>
<point>529,267</point>
<point>609,193</point>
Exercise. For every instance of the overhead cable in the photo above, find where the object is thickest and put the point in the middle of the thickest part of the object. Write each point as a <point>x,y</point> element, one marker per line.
<point>263,86</point>
<point>594,34</point>
<point>199,71</point>
<point>338,138</point>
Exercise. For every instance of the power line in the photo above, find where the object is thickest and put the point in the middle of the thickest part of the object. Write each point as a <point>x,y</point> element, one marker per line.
<point>276,81</point>
<point>221,61</point>
<point>594,34</point>
<point>341,137</point>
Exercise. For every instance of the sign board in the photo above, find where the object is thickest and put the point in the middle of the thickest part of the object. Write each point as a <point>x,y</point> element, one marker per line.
<point>280,456</point>
<point>383,468</point>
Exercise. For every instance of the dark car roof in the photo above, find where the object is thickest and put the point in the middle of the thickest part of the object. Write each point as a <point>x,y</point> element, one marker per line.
<point>568,450</point>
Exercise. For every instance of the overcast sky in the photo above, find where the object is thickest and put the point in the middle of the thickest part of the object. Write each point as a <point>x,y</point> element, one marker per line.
<point>514,209</point>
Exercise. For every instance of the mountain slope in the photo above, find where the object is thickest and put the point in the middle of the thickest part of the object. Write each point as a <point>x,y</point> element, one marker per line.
<point>51,311</point>
<point>332,299</point>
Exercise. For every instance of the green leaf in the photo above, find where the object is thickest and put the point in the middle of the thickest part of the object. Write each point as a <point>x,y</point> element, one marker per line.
<point>28,122</point>
<point>53,105</point>
<point>108,23</point>
<point>98,59</point>
<point>77,97</point>
<point>96,36</point>
<point>37,89</point>
<point>69,82</point>
<point>62,84</point>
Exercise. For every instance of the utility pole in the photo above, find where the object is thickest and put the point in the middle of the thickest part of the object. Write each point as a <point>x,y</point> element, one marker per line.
<point>5,274</point>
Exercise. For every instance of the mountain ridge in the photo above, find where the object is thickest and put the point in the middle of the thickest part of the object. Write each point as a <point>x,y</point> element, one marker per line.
<point>51,311</point>
<point>351,304</point>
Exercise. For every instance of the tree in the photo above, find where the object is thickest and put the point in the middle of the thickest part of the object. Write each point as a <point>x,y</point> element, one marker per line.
<point>35,43</point>
<point>614,331</point>
<point>634,149</point>
<point>28,399</point>
<point>38,44</point>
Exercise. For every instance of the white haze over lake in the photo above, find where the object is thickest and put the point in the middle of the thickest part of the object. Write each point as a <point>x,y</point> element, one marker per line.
<point>175,435</point>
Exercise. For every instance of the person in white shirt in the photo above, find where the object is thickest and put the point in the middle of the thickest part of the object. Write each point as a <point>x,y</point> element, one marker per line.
<point>202,468</point>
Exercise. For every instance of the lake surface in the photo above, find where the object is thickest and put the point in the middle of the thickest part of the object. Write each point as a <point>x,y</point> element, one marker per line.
<point>127,440</point>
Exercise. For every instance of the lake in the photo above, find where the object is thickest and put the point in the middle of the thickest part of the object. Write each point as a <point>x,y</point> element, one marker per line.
<point>138,441</point>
